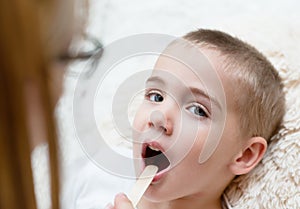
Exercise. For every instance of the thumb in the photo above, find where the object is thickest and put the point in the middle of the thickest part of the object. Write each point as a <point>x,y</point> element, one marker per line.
<point>122,202</point>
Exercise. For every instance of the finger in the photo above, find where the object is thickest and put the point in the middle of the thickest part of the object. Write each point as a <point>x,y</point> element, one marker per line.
<point>109,206</point>
<point>122,202</point>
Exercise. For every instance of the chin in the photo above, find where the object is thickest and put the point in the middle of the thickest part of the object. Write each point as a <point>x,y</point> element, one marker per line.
<point>153,198</point>
<point>159,195</point>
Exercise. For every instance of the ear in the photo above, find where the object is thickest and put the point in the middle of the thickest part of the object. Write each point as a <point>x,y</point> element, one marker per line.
<point>251,154</point>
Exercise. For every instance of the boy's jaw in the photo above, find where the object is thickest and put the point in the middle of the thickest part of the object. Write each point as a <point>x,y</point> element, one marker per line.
<point>154,154</point>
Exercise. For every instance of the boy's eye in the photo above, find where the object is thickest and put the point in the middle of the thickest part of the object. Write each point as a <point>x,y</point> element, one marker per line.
<point>155,96</point>
<point>198,110</point>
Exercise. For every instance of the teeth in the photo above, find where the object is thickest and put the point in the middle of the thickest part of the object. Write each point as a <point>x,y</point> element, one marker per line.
<point>153,148</point>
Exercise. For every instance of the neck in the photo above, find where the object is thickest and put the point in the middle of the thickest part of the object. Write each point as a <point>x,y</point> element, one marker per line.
<point>186,203</point>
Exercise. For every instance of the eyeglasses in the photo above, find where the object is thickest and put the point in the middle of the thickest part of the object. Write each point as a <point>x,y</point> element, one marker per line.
<point>83,57</point>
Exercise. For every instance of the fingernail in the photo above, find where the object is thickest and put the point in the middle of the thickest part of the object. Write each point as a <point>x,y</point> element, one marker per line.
<point>121,195</point>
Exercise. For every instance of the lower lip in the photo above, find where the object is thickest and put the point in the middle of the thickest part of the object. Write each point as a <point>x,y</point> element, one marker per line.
<point>160,175</point>
<point>157,177</point>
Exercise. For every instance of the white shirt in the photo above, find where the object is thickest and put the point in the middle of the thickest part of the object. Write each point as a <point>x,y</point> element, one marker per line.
<point>86,186</point>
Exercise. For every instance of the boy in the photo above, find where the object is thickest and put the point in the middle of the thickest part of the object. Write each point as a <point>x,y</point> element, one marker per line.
<point>211,105</point>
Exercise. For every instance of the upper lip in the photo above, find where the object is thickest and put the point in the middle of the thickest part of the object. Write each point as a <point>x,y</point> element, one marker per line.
<point>152,144</point>
<point>154,154</point>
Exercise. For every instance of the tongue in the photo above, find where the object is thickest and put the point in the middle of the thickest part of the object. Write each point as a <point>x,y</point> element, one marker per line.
<point>160,160</point>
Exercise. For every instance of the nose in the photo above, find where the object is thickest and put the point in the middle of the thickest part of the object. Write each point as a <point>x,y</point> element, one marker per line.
<point>159,121</point>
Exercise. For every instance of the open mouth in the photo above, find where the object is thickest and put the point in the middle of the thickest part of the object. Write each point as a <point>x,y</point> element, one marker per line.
<point>152,155</point>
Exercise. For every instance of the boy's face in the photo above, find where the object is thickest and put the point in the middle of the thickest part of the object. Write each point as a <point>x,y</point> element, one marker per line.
<point>182,113</point>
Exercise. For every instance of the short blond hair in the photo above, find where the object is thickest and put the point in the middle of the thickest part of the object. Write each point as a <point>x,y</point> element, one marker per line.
<point>259,97</point>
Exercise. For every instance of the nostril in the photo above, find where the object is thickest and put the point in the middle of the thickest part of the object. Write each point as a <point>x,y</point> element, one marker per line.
<point>150,124</point>
<point>168,130</point>
<point>157,120</point>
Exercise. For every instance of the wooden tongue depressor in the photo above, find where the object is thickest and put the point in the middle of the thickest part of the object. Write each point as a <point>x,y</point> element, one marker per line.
<point>142,184</point>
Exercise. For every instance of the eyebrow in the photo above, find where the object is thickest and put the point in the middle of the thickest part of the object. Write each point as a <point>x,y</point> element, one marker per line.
<point>197,91</point>
<point>194,90</point>
<point>155,79</point>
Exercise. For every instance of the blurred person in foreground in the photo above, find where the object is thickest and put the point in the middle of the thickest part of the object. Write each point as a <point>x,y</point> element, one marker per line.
<point>34,51</point>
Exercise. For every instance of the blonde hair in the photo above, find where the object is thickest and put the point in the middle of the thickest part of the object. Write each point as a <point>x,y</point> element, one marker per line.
<point>30,30</point>
<point>259,97</point>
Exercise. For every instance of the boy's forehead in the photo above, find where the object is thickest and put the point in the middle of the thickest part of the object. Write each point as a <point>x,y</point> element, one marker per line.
<point>184,54</point>
<point>194,66</point>
<point>188,62</point>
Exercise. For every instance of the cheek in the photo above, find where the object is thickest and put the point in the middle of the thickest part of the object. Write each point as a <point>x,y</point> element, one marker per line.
<point>196,136</point>
<point>197,143</point>
<point>187,145</point>
<point>137,128</point>
<point>136,150</point>
<point>140,119</point>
